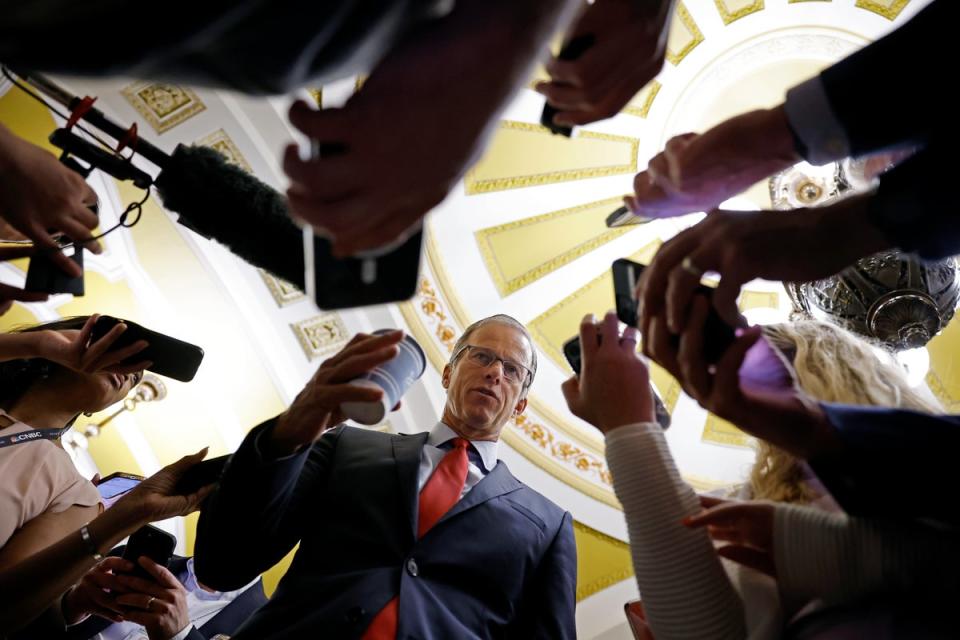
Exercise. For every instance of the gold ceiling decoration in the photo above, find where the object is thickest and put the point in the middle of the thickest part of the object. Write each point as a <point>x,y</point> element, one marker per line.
<point>684,36</point>
<point>219,141</point>
<point>733,10</point>
<point>943,377</point>
<point>516,255</point>
<point>557,324</point>
<point>719,431</point>
<point>283,292</point>
<point>642,102</point>
<point>163,106</point>
<point>889,9</point>
<point>321,334</point>
<point>317,95</point>
<point>522,154</point>
<point>602,560</point>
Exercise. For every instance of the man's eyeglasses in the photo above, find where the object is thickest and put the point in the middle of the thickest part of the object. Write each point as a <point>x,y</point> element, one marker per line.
<point>483,358</point>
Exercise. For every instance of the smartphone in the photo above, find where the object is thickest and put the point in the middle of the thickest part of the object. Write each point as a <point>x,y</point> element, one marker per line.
<point>171,357</point>
<point>200,475</point>
<point>570,51</point>
<point>45,276</point>
<point>718,336</point>
<point>116,485</point>
<point>152,542</point>
<point>623,217</point>
<point>344,283</point>
<point>571,351</point>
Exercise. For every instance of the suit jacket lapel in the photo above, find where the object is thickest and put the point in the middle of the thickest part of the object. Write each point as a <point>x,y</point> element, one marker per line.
<point>406,452</point>
<point>229,619</point>
<point>496,483</point>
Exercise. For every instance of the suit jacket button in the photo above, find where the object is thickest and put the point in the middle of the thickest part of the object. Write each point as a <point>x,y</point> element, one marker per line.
<point>355,614</point>
<point>412,568</point>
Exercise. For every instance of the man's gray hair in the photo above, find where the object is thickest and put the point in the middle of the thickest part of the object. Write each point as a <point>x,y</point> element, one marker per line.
<point>500,318</point>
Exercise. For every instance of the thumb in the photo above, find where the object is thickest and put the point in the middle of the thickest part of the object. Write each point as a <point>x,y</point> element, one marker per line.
<point>749,557</point>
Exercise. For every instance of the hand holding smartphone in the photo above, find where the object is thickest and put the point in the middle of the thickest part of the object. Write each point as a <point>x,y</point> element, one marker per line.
<point>156,544</point>
<point>718,335</point>
<point>170,357</point>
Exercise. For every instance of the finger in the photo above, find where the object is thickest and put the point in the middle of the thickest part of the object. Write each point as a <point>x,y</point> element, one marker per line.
<point>83,338</point>
<point>588,338</point>
<point>630,338</point>
<point>708,502</point>
<point>79,233</point>
<point>116,356</point>
<point>563,97</point>
<point>320,179</point>
<point>13,253</point>
<point>139,588</point>
<point>564,72</point>
<point>725,300</point>
<point>105,604</point>
<point>753,558</point>
<point>13,293</point>
<point>101,346</point>
<point>141,617</point>
<point>340,393</point>
<point>609,331</point>
<point>362,363</point>
<point>331,217</point>
<point>114,563</point>
<point>396,229</point>
<point>724,515</point>
<point>123,369</point>
<point>364,343</point>
<point>326,125</point>
<point>726,381</point>
<point>693,367</point>
<point>660,346</point>
<point>654,279</point>
<point>51,250</point>
<point>177,468</point>
<point>161,574</point>
<point>571,391</point>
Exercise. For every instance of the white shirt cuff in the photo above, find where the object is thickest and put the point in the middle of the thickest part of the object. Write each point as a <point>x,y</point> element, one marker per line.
<point>183,633</point>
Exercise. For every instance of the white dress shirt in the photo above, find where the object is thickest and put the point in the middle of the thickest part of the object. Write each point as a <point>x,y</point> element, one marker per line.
<point>431,454</point>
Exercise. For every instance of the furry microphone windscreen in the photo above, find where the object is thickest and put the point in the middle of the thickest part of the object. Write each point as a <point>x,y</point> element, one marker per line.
<point>225,203</point>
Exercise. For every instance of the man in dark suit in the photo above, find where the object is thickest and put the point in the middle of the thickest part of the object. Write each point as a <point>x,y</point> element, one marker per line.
<point>401,536</point>
<point>172,606</point>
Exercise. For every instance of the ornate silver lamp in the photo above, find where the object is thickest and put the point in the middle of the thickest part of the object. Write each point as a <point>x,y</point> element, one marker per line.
<point>892,297</point>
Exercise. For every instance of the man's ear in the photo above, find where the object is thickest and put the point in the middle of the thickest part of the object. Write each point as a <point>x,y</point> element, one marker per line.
<point>445,376</point>
<point>520,406</point>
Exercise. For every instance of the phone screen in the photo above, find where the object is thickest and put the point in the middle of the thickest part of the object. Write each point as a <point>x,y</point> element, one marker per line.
<point>113,488</point>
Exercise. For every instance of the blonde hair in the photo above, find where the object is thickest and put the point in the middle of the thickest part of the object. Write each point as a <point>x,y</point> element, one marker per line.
<point>831,365</point>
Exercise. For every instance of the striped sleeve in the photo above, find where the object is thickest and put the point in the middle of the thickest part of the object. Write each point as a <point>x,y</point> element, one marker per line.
<point>686,592</point>
<point>840,559</point>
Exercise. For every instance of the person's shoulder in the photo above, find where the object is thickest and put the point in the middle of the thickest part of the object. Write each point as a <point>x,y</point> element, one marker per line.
<point>531,499</point>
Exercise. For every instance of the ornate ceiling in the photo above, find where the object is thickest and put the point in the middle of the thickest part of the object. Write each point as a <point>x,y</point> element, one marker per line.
<point>523,235</point>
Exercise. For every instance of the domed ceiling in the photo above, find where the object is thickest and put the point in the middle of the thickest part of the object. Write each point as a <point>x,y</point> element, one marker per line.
<point>524,234</point>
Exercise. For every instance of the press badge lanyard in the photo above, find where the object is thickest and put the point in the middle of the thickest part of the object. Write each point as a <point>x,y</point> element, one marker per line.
<point>28,436</point>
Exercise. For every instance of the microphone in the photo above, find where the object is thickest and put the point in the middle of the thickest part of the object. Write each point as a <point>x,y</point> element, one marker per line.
<point>223,202</point>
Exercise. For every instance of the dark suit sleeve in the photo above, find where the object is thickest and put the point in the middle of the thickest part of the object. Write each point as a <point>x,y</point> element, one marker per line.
<point>550,600</point>
<point>894,464</point>
<point>257,513</point>
<point>913,208</point>
<point>863,80</point>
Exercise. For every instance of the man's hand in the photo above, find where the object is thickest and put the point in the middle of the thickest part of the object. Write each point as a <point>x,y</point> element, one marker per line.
<point>630,44</point>
<point>96,592</point>
<point>777,413</point>
<point>798,246</point>
<point>317,407</point>
<point>40,196</point>
<point>72,348</point>
<point>160,605</point>
<point>419,121</point>
<point>155,498</point>
<point>613,388</point>
<point>698,172</point>
<point>747,526</point>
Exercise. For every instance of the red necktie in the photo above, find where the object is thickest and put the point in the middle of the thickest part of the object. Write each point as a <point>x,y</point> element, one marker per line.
<point>438,495</point>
